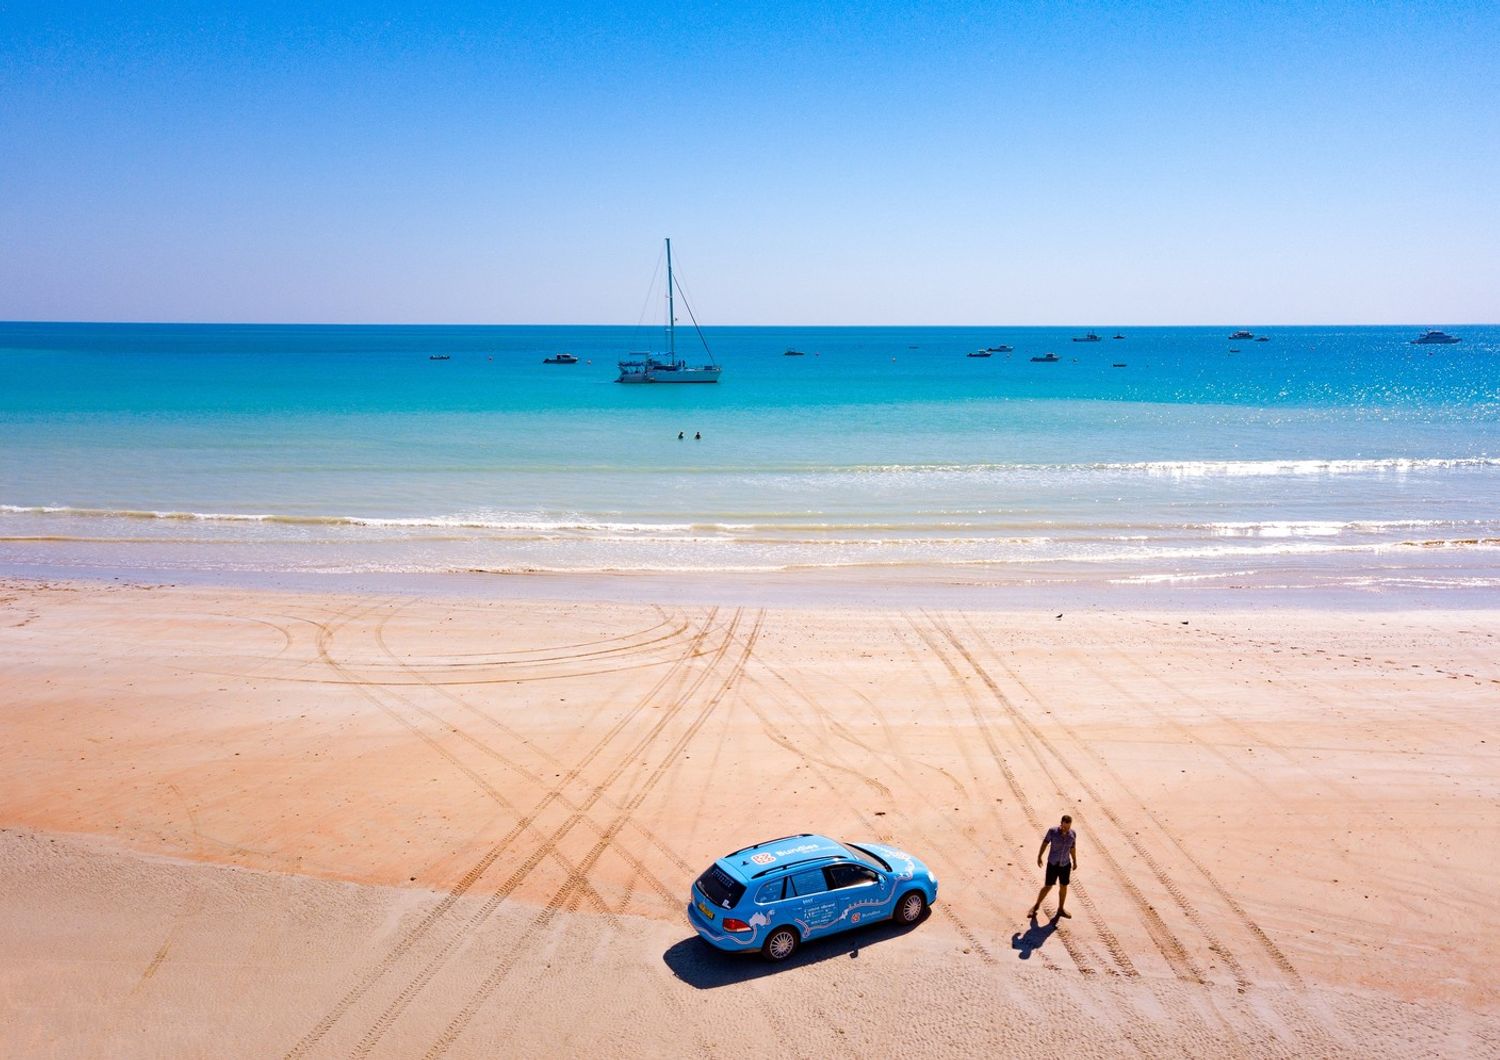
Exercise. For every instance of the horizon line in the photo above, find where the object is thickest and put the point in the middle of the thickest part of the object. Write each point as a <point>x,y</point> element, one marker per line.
<point>706,327</point>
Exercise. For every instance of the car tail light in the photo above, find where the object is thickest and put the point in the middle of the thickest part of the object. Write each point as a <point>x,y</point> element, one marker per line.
<point>731,924</point>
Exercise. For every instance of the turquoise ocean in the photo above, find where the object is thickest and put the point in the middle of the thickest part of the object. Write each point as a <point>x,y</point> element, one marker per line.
<point>1328,457</point>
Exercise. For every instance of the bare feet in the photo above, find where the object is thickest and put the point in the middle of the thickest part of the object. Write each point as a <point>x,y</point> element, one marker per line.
<point>1065,913</point>
<point>1031,915</point>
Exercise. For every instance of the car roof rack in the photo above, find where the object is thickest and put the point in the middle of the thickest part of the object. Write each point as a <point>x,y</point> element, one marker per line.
<point>767,842</point>
<point>794,864</point>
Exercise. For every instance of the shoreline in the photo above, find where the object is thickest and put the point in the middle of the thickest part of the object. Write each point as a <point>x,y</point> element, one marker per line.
<point>806,589</point>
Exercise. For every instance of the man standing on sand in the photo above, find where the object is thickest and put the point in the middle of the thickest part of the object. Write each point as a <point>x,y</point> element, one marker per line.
<point>1062,859</point>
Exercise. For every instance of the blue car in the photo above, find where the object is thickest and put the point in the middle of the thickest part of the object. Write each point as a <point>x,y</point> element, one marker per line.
<point>776,894</point>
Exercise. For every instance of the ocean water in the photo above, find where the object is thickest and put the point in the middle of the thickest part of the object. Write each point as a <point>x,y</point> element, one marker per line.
<point>1324,457</point>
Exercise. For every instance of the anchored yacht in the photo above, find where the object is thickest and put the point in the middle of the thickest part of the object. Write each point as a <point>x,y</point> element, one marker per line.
<point>648,368</point>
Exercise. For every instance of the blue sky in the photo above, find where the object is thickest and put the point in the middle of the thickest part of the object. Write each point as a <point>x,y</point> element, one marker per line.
<point>814,163</point>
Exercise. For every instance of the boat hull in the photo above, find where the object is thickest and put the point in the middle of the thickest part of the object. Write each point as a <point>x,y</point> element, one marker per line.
<point>666,374</point>
<point>715,379</point>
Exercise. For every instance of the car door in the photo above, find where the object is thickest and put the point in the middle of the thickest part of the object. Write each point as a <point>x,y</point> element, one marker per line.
<point>776,903</point>
<point>860,892</point>
<point>816,908</point>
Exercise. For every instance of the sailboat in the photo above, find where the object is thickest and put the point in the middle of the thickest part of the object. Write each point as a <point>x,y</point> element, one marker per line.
<point>646,368</point>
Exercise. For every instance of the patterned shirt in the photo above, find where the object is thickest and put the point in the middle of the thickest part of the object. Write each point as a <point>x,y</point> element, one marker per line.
<point>1060,845</point>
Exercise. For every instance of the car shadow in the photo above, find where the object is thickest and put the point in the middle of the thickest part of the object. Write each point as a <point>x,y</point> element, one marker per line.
<point>1032,938</point>
<point>700,965</point>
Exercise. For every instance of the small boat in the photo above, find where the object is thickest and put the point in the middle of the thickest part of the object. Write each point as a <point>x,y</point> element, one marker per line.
<point>1234,349</point>
<point>1242,335</point>
<point>561,358</point>
<point>1261,338</point>
<point>1118,364</point>
<point>999,349</point>
<point>439,357</point>
<point>1051,358</point>
<point>1118,335</point>
<point>981,353</point>
<point>794,353</point>
<point>648,368</point>
<point>1436,338</point>
<point>1090,337</point>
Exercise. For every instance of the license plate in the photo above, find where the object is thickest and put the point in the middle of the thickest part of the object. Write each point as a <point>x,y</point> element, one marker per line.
<point>706,911</point>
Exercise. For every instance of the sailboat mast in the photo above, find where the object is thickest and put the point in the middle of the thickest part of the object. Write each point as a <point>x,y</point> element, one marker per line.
<point>671,310</point>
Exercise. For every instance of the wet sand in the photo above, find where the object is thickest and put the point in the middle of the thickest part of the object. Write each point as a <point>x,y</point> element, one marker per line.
<point>242,822</point>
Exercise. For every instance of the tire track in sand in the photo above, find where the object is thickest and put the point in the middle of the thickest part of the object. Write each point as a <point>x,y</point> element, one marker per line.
<point>1083,957</point>
<point>1163,878</point>
<point>624,651</point>
<point>1256,931</point>
<point>489,751</point>
<point>189,910</point>
<point>576,876</point>
<point>1320,1032</point>
<point>813,762</point>
<point>1074,947</point>
<point>479,868</point>
<point>578,648</point>
<point>460,1022</point>
<point>1347,796</point>
<point>1167,943</point>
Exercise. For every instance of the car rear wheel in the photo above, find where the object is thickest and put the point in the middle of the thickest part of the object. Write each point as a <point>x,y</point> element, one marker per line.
<point>910,908</point>
<point>780,944</point>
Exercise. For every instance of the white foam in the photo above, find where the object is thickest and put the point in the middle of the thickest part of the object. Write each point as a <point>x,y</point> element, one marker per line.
<point>1172,579</point>
<point>1205,468</point>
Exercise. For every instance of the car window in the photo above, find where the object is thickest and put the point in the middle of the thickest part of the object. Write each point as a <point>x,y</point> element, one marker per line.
<point>849,876</point>
<point>722,889</point>
<point>770,891</point>
<point>867,852</point>
<point>810,882</point>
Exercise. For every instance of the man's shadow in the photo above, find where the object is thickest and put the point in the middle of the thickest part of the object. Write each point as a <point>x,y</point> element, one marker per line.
<point>1033,937</point>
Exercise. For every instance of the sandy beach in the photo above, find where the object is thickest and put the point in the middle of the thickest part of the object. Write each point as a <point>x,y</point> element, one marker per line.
<point>251,823</point>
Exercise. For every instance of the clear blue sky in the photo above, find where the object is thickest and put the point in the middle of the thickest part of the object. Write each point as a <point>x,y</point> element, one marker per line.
<point>1083,163</point>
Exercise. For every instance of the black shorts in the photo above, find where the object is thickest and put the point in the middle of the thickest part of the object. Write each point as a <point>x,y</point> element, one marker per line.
<point>1058,874</point>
